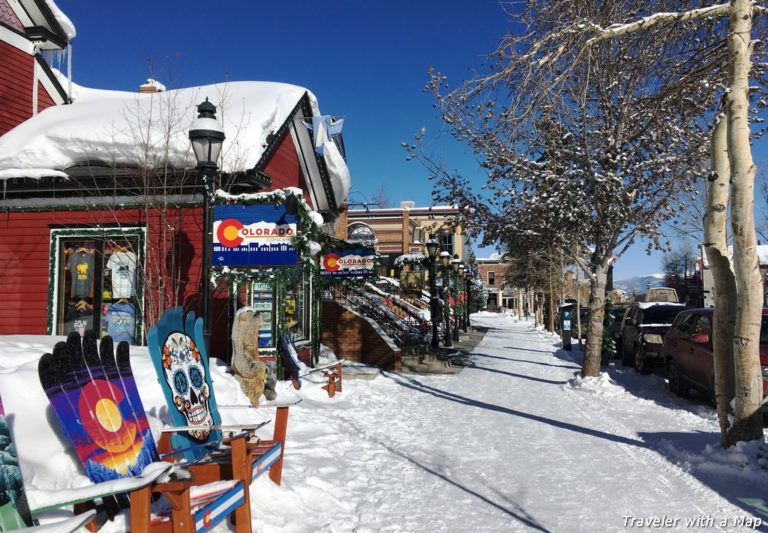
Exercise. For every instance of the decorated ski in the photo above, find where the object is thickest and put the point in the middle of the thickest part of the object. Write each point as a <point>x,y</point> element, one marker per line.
<point>178,354</point>
<point>14,511</point>
<point>94,411</point>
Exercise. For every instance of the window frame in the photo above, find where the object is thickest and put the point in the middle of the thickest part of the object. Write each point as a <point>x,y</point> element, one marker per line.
<point>56,270</point>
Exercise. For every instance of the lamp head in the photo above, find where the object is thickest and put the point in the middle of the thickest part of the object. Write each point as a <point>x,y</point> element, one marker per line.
<point>432,247</point>
<point>207,137</point>
<point>455,262</point>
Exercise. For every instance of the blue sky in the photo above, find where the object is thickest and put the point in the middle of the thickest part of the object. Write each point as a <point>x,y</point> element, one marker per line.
<point>364,61</point>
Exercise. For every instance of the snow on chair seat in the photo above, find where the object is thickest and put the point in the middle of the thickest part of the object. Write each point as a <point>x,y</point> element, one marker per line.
<point>95,398</point>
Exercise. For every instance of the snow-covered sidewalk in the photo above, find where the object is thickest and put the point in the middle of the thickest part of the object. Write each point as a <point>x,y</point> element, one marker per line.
<point>513,443</point>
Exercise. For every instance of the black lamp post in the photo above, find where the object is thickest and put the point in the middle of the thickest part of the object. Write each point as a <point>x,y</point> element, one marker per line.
<point>445,263</point>
<point>434,310</point>
<point>462,279</point>
<point>455,268</point>
<point>468,284</point>
<point>207,136</point>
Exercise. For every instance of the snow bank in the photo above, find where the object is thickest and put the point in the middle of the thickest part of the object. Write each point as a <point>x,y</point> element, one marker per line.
<point>601,385</point>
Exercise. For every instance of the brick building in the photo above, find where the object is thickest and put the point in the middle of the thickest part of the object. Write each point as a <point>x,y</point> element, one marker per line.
<point>404,230</point>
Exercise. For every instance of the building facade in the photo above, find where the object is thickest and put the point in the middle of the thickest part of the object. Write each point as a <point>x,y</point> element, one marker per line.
<point>104,231</point>
<point>401,231</point>
<point>492,273</point>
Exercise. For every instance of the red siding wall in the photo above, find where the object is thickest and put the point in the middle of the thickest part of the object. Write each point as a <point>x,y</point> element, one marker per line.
<point>25,240</point>
<point>16,87</point>
<point>284,168</point>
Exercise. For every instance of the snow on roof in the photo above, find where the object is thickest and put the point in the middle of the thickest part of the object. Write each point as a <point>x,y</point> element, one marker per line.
<point>409,258</point>
<point>62,19</point>
<point>115,127</point>
<point>646,305</point>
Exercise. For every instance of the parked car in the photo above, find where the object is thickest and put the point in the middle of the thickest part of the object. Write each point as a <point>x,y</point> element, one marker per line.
<point>642,333</point>
<point>688,353</point>
<point>618,311</point>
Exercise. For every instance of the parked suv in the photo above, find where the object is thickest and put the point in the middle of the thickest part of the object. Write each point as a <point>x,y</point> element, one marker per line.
<point>688,353</point>
<point>642,333</point>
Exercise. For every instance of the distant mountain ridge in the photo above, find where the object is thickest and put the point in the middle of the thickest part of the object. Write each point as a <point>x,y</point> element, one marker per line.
<point>640,284</point>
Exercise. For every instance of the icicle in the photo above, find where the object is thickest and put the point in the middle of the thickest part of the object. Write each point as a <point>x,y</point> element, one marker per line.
<point>69,71</point>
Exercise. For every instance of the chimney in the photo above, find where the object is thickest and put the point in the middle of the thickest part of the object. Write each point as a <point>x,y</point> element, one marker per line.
<point>151,86</point>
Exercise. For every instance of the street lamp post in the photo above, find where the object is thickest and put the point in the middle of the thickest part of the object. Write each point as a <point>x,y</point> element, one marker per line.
<point>445,263</point>
<point>207,136</point>
<point>455,268</point>
<point>468,284</point>
<point>432,248</point>
<point>462,279</point>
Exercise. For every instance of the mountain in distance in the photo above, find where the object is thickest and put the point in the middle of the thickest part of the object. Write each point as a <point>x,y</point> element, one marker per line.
<point>640,284</point>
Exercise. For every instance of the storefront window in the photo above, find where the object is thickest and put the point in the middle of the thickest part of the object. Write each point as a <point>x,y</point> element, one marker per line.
<point>297,309</point>
<point>96,279</point>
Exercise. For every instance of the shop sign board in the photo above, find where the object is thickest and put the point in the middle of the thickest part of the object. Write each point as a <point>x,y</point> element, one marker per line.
<point>253,235</point>
<point>352,263</point>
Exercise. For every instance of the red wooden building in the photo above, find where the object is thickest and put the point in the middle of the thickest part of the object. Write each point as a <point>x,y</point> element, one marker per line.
<point>101,209</point>
<point>27,84</point>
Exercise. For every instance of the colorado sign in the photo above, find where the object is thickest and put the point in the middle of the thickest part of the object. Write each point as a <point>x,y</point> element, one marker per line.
<point>357,262</point>
<point>253,235</point>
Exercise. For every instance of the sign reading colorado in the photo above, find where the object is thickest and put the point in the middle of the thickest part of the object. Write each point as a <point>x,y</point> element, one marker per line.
<point>253,235</point>
<point>357,262</point>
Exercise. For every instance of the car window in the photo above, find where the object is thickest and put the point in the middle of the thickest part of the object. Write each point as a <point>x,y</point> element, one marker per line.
<point>660,315</point>
<point>702,325</point>
<point>680,322</point>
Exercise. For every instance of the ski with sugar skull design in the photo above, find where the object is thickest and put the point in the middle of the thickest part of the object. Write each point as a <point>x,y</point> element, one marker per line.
<point>178,354</point>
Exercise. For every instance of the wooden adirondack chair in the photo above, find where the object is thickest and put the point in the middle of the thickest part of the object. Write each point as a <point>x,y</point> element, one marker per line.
<point>95,398</point>
<point>181,362</point>
<point>14,509</point>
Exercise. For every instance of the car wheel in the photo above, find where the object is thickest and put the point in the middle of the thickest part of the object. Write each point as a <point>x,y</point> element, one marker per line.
<point>677,384</point>
<point>626,358</point>
<point>641,363</point>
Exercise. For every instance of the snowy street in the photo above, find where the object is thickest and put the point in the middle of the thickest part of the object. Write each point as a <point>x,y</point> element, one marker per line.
<point>510,445</point>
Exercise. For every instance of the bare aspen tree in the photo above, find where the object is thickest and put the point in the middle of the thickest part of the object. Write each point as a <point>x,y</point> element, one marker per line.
<point>583,140</point>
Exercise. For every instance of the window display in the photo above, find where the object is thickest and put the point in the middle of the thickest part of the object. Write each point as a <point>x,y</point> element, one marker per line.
<point>122,265</point>
<point>296,312</point>
<point>97,285</point>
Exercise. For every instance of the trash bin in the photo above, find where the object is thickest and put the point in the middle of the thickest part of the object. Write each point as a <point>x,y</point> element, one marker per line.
<point>566,324</point>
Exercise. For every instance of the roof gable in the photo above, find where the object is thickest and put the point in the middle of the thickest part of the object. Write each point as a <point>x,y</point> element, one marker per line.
<point>9,18</point>
<point>45,22</point>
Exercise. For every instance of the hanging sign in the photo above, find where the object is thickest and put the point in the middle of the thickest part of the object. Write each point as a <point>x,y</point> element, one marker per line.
<point>253,235</point>
<point>353,263</point>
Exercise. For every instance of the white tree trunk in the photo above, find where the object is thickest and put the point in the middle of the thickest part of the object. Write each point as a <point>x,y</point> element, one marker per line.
<point>748,393</point>
<point>725,296</point>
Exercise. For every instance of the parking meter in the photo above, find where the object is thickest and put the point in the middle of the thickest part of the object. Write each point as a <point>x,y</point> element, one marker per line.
<point>566,319</point>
